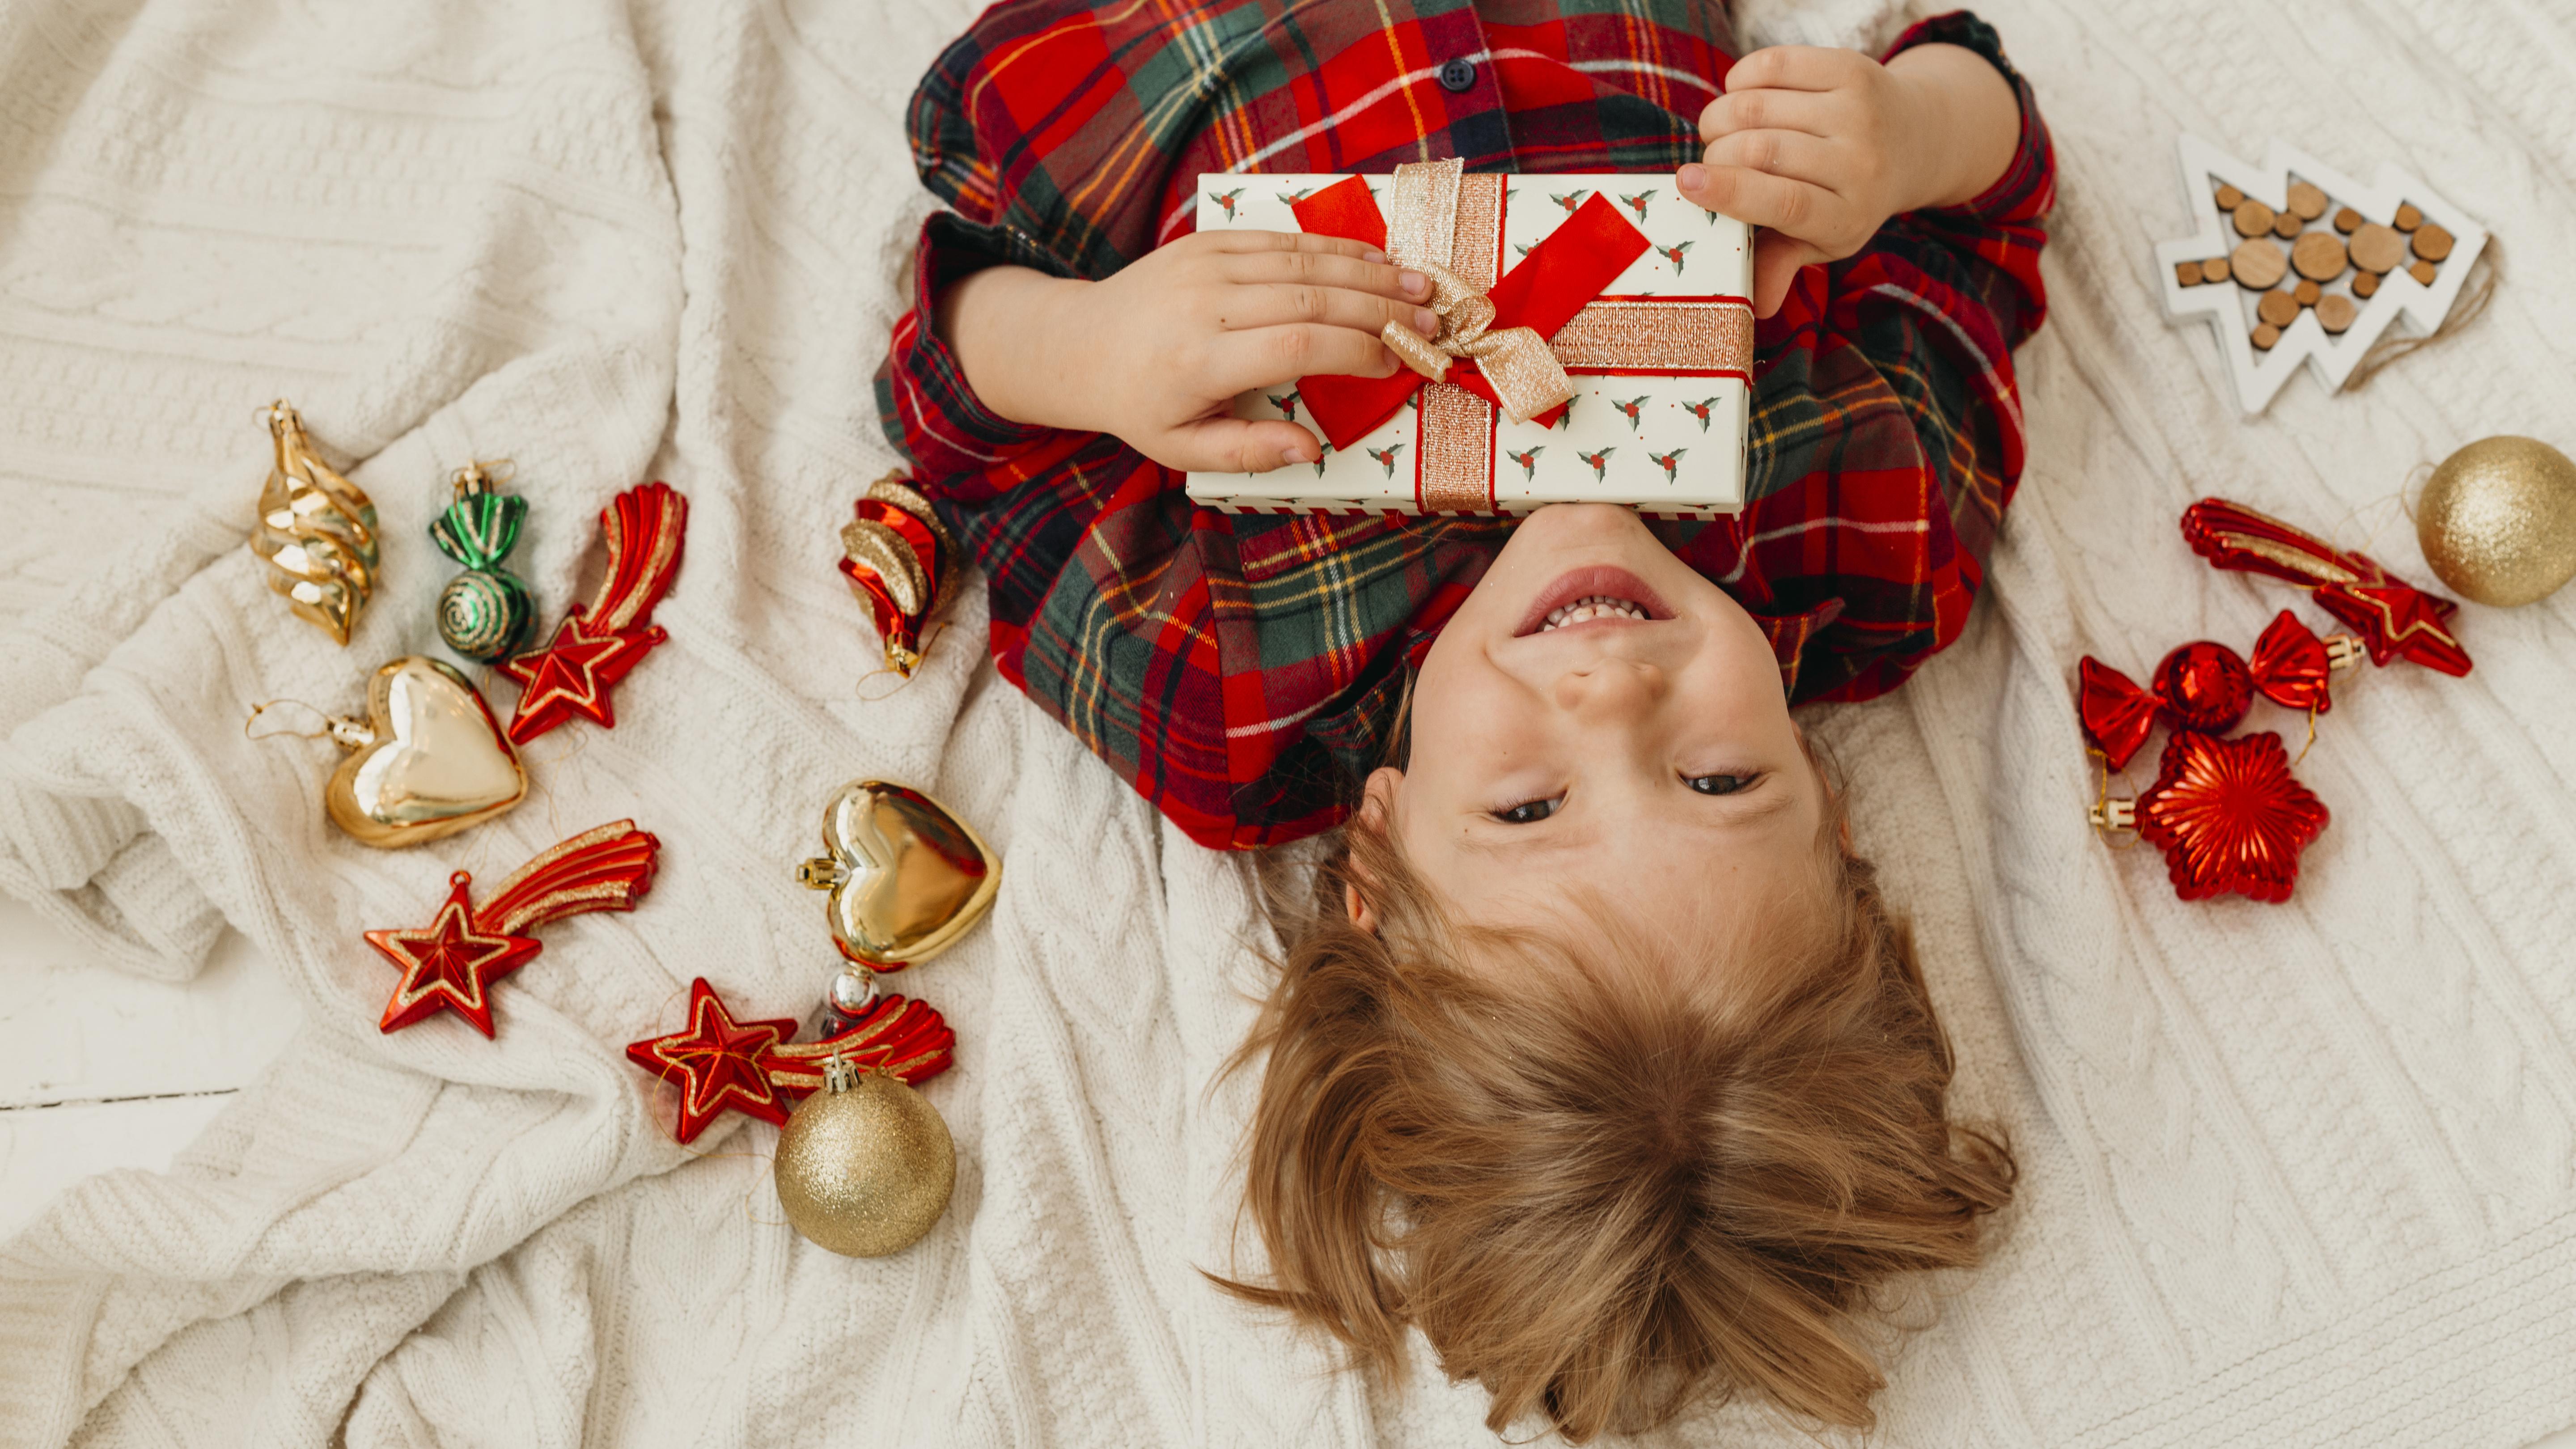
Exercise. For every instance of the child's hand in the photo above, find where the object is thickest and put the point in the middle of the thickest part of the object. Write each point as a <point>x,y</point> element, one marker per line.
<point>1157,353</point>
<point>1819,147</point>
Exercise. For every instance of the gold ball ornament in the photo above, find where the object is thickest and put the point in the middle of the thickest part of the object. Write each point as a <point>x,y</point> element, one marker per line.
<point>864,1166</point>
<point>2498,520</point>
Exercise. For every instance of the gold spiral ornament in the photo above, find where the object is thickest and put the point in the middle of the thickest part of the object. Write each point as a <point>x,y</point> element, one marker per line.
<point>316,531</point>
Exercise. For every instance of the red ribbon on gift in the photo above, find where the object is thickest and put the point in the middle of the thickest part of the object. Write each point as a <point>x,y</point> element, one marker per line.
<point>1555,281</point>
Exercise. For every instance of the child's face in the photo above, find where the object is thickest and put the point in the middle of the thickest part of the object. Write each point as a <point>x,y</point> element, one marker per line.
<point>1650,759</point>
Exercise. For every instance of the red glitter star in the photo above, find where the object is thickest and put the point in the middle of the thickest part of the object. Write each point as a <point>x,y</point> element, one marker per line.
<point>718,1063</point>
<point>2229,816</point>
<point>450,966</point>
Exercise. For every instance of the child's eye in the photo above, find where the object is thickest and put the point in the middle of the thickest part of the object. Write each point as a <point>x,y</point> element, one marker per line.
<point>1528,812</point>
<point>1721,784</point>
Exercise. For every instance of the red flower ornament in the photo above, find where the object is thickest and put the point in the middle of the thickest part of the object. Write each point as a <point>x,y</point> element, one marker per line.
<point>2227,814</point>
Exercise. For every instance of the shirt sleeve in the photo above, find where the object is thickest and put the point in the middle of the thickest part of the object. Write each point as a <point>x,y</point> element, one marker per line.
<point>1117,605</point>
<point>1886,438</point>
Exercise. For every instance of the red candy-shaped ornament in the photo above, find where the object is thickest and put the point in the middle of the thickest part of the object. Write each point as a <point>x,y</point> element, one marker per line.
<point>2206,686</point>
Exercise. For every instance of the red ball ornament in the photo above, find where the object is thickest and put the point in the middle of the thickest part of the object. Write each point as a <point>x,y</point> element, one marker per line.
<point>2204,687</point>
<point>2229,816</point>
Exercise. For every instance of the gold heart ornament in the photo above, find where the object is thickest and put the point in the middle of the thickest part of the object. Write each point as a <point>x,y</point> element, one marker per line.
<point>907,878</point>
<point>429,760</point>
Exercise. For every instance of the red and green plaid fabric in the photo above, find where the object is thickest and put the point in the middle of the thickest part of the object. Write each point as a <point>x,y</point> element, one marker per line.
<point>1244,673</point>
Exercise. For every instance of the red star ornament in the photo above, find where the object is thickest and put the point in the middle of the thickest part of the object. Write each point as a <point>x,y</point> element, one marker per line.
<point>450,966</point>
<point>2229,816</point>
<point>572,675</point>
<point>754,1068</point>
<point>599,643</point>
<point>2395,619</point>
<point>717,1063</point>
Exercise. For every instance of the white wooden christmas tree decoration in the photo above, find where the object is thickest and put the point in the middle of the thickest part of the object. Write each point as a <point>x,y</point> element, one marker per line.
<point>2367,256</point>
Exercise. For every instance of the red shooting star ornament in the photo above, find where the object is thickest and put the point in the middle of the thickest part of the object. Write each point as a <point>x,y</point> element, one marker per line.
<point>755,1067</point>
<point>2394,618</point>
<point>599,644</point>
<point>452,963</point>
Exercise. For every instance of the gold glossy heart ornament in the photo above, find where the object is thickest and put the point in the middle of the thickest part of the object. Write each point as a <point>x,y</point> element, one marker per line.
<point>429,760</point>
<point>907,878</point>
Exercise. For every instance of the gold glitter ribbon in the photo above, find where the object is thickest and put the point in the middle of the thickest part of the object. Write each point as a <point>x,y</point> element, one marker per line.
<point>1423,233</point>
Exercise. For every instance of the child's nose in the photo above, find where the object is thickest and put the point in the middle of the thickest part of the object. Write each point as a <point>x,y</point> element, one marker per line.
<point>1611,690</point>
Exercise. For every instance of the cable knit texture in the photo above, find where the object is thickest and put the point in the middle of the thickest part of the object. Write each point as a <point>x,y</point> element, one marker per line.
<point>2296,1175</point>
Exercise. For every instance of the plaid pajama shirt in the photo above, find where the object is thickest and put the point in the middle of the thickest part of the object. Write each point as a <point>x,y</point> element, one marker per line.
<point>1243,673</point>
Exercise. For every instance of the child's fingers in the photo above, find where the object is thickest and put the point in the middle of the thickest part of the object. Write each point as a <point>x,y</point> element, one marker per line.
<point>1779,202</point>
<point>1270,356</point>
<point>1236,445</point>
<point>1272,306</point>
<point>1815,113</point>
<point>1777,260</point>
<point>1796,68</point>
<point>1325,269</point>
<point>1311,243</point>
<point>1788,154</point>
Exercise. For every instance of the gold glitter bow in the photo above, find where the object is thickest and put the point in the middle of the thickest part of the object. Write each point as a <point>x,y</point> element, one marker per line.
<point>1422,224</point>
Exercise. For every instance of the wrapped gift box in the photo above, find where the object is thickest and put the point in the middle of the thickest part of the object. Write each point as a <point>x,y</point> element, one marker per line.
<point>1660,355</point>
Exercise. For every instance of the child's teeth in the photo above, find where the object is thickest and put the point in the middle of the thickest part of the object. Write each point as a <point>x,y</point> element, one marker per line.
<point>1595,606</point>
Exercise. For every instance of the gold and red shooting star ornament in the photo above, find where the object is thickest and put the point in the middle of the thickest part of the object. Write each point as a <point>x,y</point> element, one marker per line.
<point>2394,618</point>
<point>901,562</point>
<point>865,1165</point>
<point>316,530</point>
<point>599,644</point>
<point>452,963</point>
<point>2227,813</point>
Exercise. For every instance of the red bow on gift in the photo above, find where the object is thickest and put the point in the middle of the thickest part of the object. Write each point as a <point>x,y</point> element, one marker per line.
<point>2205,686</point>
<point>1559,276</point>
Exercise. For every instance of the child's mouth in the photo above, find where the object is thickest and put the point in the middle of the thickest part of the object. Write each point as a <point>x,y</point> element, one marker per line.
<point>1600,593</point>
<point>1596,606</point>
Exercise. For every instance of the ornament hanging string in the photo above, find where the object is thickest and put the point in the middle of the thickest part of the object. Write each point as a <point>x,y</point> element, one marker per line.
<point>2472,302</point>
<point>256,710</point>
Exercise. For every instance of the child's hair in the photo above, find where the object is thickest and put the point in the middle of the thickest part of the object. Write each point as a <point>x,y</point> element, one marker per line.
<point>1604,1187</point>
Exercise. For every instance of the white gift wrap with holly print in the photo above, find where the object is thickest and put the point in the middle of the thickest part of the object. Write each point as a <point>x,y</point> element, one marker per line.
<point>1670,447</point>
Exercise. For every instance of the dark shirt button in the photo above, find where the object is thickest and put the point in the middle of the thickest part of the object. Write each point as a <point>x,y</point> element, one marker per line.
<point>1457,75</point>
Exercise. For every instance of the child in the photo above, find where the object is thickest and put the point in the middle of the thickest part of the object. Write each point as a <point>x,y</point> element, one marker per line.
<point>1601,1061</point>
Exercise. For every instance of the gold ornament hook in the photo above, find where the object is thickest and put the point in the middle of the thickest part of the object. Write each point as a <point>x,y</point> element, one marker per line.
<point>478,476</point>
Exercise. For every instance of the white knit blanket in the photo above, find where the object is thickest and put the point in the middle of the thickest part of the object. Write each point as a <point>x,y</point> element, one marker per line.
<point>2294,1174</point>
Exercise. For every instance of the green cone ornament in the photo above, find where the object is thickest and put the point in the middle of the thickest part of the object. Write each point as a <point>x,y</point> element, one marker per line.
<point>484,613</point>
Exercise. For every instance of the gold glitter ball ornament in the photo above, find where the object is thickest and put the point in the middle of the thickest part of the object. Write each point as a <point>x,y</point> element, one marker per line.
<point>2498,520</point>
<point>864,1166</point>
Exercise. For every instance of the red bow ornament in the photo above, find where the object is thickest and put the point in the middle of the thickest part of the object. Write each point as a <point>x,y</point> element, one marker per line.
<point>1508,339</point>
<point>2396,619</point>
<point>2205,686</point>
<point>756,1068</point>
